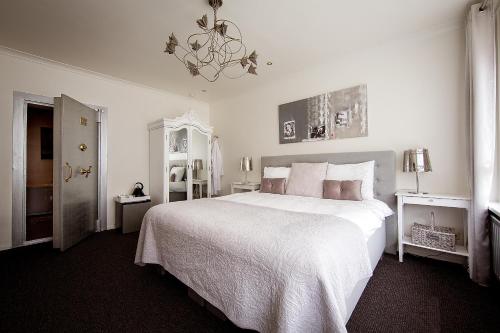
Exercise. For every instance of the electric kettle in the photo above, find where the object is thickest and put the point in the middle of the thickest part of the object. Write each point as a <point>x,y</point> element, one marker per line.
<point>137,192</point>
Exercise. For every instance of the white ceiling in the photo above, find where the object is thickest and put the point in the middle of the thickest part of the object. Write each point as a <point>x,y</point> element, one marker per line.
<point>126,38</point>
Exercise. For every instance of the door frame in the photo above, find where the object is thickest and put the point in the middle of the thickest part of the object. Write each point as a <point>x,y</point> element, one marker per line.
<point>19,133</point>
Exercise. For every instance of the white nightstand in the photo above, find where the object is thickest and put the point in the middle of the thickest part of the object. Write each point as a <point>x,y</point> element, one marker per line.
<point>436,200</point>
<point>244,187</point>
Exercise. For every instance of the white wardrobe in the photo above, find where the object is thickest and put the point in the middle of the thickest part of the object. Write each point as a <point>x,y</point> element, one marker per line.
<point>179,159</point>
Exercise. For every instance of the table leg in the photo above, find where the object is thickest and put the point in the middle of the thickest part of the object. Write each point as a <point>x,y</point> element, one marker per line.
<point>400,228</point>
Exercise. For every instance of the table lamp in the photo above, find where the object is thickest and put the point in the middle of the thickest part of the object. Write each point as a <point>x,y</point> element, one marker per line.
<point>417,160</point>
<point>246,166</point>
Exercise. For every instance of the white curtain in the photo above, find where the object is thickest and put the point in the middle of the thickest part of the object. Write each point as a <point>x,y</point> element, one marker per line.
<point>481,77</point>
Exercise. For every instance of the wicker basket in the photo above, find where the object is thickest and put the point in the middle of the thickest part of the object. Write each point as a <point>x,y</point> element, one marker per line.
<point>433,236</point>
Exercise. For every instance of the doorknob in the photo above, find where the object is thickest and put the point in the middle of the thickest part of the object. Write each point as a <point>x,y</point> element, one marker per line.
<point>86,172</point>
<point>66,179</point>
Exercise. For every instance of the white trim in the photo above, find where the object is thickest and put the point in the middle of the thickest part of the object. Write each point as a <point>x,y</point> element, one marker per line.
<point>19,162</point>
<point>4,50</point>
<point>19,165</point>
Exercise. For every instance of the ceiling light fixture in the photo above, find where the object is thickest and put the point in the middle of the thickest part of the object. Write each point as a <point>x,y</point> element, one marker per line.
<point>214,51</point>
<point>269,63</point>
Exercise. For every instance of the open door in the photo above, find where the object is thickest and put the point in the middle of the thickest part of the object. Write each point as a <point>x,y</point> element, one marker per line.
<point>75,172</point>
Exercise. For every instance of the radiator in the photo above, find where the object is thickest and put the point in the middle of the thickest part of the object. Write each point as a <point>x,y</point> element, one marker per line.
<point>495,244</point>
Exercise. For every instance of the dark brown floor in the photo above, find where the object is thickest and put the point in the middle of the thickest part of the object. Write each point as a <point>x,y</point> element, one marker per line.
<point>95,287</point>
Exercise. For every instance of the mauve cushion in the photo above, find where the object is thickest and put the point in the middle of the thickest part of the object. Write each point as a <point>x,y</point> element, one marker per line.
<point>342,190</point>
<point>306,179</point>
<point>273,185</point>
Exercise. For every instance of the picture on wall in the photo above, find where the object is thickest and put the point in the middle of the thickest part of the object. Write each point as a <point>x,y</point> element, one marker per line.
<point>289,130</point>
<point>334,115</point>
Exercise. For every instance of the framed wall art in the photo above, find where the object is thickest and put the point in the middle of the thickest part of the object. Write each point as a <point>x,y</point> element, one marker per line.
<point>334,115</point>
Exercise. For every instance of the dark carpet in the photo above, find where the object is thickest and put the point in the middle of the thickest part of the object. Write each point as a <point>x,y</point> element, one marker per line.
<point>95,287</point>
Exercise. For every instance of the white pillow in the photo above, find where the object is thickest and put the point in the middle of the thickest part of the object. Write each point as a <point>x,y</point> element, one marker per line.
<point>277,172</point>
<point>179,173</point>
<point>361,171</point>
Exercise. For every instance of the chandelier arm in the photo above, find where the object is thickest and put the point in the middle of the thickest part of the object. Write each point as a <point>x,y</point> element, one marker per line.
<point>216,75</point>
<point>225,47</point>
<point>230,53</point>
<point>206,33</point>
<point>235,26</point>
<point>221,51</point>
<point>184,61</point>
<point>209,53</point>
<point>195,52</point>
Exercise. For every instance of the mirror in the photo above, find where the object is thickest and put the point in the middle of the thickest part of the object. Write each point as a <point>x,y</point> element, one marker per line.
<point>177,164</point>
<point>199,157</point>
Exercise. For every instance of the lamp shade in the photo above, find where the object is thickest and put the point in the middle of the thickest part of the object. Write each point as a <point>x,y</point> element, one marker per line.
<point>198,164</point>
<point>246,164</point>
<point>417,160</point>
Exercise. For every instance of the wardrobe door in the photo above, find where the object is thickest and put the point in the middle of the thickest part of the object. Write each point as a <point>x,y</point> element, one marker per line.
<point>200,164</point>
<point>177,165</point>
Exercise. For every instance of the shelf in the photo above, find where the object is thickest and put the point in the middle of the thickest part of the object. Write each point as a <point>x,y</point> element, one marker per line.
<point>177,156</point>
<point>460,249</point>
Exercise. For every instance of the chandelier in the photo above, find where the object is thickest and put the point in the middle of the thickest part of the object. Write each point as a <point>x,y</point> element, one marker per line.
<point>215,50</point>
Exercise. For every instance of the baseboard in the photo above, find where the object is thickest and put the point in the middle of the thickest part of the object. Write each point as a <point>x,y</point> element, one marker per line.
<point>3,248</point>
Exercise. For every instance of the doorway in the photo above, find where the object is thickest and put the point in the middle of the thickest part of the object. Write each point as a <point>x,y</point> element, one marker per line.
<point>56,200</point>
<point>39,175</point>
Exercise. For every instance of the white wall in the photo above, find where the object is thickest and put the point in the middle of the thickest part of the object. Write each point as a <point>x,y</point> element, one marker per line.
<point>416,91</point>
<point>130,108</point>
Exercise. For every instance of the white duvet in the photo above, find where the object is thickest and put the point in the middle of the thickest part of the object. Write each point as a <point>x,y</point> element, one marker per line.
<point>281,269</point>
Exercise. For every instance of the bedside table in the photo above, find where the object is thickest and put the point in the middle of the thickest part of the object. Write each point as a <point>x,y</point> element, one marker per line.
<point>244,187</point>
<point>435,200</point>
<point>129,212</point>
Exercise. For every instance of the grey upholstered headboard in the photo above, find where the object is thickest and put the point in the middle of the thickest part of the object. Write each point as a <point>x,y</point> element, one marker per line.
<point>384,178</point>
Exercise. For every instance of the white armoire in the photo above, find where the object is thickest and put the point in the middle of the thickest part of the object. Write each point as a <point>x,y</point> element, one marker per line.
<point>179,159</point>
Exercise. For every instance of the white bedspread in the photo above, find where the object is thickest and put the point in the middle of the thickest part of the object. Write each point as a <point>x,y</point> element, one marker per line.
<point>267,269</point>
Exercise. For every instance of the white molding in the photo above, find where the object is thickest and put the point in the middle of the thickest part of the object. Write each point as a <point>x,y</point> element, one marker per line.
<point>190,118</point>
<point>29,57</point>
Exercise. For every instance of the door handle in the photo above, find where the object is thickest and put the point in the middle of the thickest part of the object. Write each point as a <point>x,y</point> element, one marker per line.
<point>86,172</point>
<point>66,179</point>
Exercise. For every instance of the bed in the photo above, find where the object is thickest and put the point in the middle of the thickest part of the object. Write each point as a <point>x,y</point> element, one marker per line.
<point>276,263</point>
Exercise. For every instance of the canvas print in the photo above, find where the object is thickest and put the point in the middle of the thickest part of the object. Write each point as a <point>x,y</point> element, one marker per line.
<point>348,115</point>
<point>335,115</point>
